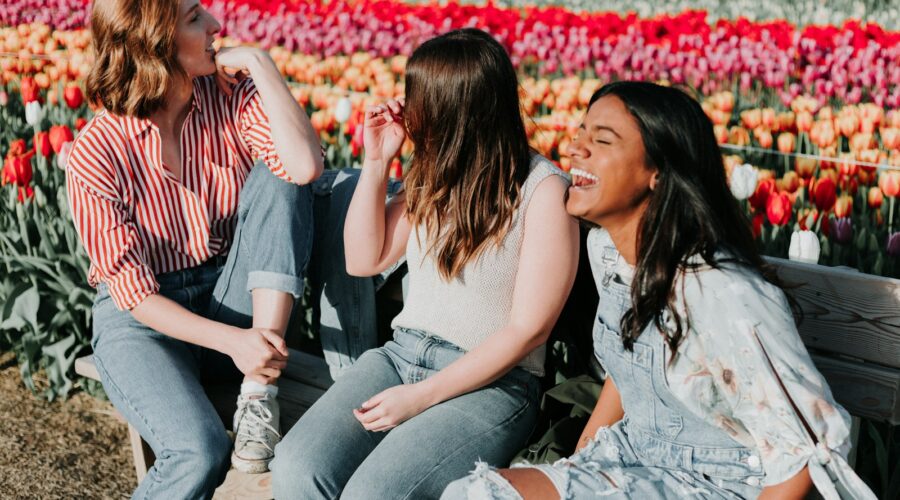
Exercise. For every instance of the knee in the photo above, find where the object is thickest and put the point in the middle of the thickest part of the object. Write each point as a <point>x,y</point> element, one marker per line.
<point>210,455</point>
<point>296,473</point>
<point>264,186</point>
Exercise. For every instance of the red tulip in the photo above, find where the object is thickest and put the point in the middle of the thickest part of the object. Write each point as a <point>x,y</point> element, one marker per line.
<point>80,123</point>
<point>59,135</point>
<point>824,194</point>
<point>29,89</point>
<point>73,96</point>
<point>42,144</point>
<point>17,148</point>
<point>25,193</point>
<point>17,170</point>
<point>778,209</point>
<point>765,188</point>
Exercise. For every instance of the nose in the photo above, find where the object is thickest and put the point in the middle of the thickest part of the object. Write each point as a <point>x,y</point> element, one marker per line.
<point>214,26</point>
<point>576,148</point>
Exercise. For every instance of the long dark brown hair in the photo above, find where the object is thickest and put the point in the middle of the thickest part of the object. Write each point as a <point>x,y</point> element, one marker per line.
<point>691,211</point>
<point>471,151</point>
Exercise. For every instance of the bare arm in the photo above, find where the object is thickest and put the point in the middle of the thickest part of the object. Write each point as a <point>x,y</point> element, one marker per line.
<point>296,141</point>
<point>375,236</point>
<point>607,412</point>
<point>259,353</point>
<point>547,265</point>
<point>794,488</point>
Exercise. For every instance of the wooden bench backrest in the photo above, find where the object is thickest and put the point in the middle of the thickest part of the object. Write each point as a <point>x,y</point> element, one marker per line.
<point>851,325</point>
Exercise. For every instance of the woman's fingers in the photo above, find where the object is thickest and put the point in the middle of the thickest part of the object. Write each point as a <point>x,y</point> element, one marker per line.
<point>277,364</point>
<point>395,106</point>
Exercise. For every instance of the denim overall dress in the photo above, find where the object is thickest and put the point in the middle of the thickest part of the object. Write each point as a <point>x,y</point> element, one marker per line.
<point>660,449</point>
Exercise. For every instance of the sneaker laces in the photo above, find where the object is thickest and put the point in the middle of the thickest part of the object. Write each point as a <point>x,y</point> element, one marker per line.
<point>254,422</point>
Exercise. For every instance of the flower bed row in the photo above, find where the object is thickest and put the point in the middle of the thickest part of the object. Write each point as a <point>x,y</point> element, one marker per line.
<point>851,62</point>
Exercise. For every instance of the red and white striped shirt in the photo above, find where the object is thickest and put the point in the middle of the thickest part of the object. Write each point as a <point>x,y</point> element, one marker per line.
<point>135,219</point>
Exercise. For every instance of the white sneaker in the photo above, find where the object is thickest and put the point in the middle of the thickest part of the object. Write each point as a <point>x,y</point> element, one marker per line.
<point>257,431</point>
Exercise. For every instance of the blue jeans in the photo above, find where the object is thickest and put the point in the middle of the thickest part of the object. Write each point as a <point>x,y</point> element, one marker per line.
<point>345,304</point>
<point>329,454</point>
<point>155,381</point>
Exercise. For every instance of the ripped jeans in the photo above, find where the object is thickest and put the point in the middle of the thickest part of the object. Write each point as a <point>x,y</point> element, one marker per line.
<point>607,467</point>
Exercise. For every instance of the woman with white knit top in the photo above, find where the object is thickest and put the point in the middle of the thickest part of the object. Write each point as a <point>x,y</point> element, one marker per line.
<point>492,255</point>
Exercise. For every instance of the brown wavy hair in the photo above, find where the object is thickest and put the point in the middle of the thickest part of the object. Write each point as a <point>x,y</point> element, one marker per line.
<point>133,44</point>
<point>471,153</point>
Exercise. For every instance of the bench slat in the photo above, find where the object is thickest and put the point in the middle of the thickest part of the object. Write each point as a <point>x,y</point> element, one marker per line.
<point>865,390</point>
<point>846,312</point>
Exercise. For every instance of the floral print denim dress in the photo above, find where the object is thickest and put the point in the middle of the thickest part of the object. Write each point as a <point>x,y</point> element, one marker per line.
<point>717,422</point>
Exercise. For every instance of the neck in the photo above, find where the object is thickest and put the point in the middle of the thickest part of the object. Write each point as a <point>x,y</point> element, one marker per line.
<point>178,102</point>
<point>623,230</point>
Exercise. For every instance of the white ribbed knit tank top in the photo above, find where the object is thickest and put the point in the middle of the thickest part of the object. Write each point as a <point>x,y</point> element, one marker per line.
<point>475,305</point>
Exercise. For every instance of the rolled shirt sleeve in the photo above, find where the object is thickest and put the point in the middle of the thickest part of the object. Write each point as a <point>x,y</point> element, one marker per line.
<point>253,123</point>
<point>110,239</point>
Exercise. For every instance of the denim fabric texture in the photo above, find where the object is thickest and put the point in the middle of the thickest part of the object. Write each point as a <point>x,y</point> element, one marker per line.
<point>328,454</point>
<point>345,304</point>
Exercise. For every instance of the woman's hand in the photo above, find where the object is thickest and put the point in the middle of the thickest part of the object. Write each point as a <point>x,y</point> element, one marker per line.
<point>233,65</point>
<point>391,407</point>
<point>384,133</point>
<point>259,353</point>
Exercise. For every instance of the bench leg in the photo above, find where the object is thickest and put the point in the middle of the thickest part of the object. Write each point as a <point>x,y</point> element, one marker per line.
<point>141,453</point>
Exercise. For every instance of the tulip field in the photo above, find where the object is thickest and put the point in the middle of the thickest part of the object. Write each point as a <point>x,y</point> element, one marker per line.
<point>808,118</point>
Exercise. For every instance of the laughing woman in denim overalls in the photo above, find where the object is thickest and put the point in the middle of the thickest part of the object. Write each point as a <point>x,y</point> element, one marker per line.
<point>710,392</point>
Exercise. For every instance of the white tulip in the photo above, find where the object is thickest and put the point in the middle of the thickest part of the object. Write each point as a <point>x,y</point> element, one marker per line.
<point>33,113</point>
<point>62,158</point>
<point>343,109</point>
<point>804,247</point>
<point>743,181</point>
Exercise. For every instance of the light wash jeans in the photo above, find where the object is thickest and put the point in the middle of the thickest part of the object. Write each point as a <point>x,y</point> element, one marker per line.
<point>156,381</point>
<point>328,453</point>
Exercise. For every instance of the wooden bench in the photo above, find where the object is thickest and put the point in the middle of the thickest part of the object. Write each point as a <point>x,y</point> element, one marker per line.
<point>851,326</point>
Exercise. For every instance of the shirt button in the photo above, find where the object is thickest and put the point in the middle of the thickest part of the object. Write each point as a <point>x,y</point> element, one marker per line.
<point>753,461</point>
<point>753,481</point>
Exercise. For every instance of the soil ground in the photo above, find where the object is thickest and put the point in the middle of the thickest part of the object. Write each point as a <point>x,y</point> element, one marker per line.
<point>64,449</point>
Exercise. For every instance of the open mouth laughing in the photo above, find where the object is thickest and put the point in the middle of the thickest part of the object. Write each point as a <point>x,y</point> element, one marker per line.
<point>583,179</point>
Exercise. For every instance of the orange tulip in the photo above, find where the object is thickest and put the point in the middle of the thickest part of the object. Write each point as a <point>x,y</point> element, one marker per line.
<point>721,133</point>
<point>751,118</point>
<point>862,141</point>
<point>890,137</point>
<point>769,119</point>
<point>889,182</point>
<point>805,167</point>
<point>875,198</point>
<point>786,142</point>
<point>764,137</point>
<point>848,124</point>
<point>786,120</point>
<point>739,136</point>
<point>804,121</point>
<point>847,165</point>
<point>791,181</point>
<point>843,207</point>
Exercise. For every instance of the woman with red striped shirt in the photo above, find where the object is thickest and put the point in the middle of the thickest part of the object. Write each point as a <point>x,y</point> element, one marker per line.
<point>198,256</point>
